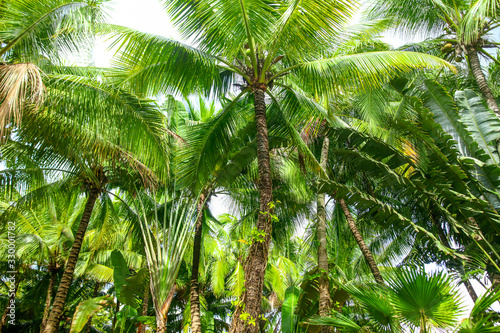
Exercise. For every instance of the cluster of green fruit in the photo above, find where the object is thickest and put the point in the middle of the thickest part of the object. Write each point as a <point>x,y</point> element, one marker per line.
<point>447,48</point>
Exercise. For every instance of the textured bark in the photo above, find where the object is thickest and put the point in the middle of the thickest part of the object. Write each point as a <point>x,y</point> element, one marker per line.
<point>195,292</point>
<point>476,70</point>
<point>470,290</point>
<point>145,301</point>
<point>62,291</point>
<point>361,243</point>
<point>325,304</point>
<point>48,299</point>
<point>12,296</point>
<point>256,262</point>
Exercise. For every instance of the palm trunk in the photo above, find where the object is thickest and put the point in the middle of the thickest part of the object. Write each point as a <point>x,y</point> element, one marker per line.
<point>324,283</point>
<point>361,243</point>
<point>145,302</point>
<point>256,262</point>
<point>195,292</point>
<point>476,70</point>
<point>470,290</point>
<point>62,291</point>
<point>11,300</point>
<point>48,300</point>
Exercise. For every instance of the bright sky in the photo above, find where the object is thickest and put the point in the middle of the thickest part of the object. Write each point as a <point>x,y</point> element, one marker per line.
<point>149,16</point>
<point>143,15</point>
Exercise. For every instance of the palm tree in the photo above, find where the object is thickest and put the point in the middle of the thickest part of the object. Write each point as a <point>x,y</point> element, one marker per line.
<point>258,43</point>
<point>33,32</point>
<point>463,27</point>
<point>91,153</point>
<point>44,234</point>
<point>199,159</point>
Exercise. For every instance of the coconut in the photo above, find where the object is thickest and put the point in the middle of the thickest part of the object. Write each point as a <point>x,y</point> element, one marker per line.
<point>447,48</point>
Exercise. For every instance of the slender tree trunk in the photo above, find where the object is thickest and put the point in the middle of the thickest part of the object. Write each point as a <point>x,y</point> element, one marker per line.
<point>195,292</point>
<point>161,316</point>
<point>11,300</point>
<point>145,302</point>
<point>476,70</point>
<point>470,290</point>
<point>325,303</point>
<point>48,299</point>
<point>62,291</point>
<point>361,243</point>
<point>256,262</point>
<point>117,309</point>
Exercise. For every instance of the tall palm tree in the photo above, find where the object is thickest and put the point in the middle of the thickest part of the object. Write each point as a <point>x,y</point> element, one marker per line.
<point>462,27</point>
<point>258,44</point>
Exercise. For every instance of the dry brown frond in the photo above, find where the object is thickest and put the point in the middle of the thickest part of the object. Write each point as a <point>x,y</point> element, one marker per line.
<point>20,85</point>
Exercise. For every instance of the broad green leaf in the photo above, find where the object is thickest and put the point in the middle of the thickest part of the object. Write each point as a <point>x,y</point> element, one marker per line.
<point>120,273</point>
<point>289,318</point>
<point>133,289</point>
<point>86,309</point>
<point>208,323</point>
<point>237,280</point>
<point>126,320</point>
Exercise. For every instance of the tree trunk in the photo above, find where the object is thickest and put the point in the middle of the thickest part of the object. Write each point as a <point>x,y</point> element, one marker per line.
<point>361,243</point>
<point>48,300</point>
<point>470,290</point>
<point>247,320</point>
<point>117,309</point>
<point>195,292</point>
<point>62,291</point>
<point>476,70</point>
<point>12,300</point>
<point>145,302</point>
<point>161,315</point>
<point>324,283</point>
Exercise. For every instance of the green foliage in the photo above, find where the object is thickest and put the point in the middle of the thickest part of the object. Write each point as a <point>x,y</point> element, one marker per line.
<point>289,320</point>
<point>425,300</point>
<point>88,308</point>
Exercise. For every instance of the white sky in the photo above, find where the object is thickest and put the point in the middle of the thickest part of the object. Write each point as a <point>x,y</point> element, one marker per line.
<point>149,16</point>
<point>143,15</point>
